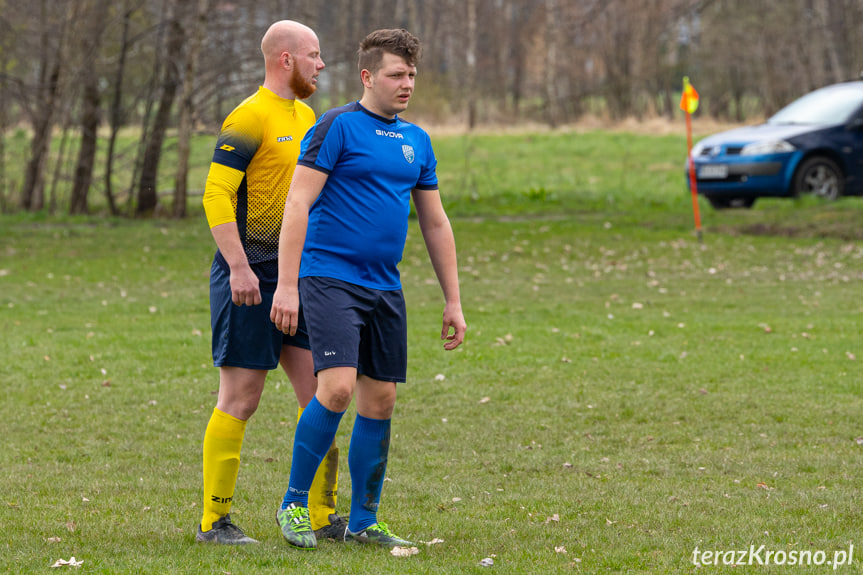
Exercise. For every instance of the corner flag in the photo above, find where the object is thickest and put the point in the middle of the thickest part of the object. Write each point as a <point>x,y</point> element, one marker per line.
<point>689,98</point>
<point>689,103</point>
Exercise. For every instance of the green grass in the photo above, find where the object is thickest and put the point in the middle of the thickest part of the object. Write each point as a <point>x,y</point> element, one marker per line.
<point>480,174</point>
<point>569,172</point>
<point>624,392</point>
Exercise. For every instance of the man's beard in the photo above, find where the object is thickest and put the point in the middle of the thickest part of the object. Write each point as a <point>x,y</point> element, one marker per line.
<point>301,87</point>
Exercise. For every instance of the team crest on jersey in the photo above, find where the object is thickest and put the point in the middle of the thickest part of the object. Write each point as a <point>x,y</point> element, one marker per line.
<point>408,151</point>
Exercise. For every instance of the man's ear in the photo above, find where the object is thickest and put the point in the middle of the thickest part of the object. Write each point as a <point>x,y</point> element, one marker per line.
<point>366,78</point>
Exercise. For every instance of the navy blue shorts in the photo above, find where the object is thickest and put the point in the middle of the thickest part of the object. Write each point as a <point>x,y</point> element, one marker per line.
<point>244,336</point>
<point>354,326</point>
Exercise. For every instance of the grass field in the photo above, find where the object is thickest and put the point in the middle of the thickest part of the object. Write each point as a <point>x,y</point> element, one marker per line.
<point>624,396</point>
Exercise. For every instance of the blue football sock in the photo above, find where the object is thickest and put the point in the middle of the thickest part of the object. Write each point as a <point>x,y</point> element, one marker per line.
<point>314,436</point>
<point>367,458</point>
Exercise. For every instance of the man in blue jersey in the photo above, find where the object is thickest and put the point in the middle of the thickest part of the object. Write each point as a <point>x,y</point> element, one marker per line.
<point>343,234</point>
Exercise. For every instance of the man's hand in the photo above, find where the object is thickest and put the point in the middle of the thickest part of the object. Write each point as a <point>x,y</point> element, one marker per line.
<point>285,313</point>
<point>453,319</point>
<point>244,286</point>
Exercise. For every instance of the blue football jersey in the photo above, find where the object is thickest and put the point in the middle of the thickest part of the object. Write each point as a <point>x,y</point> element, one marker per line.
<point>358,224</point>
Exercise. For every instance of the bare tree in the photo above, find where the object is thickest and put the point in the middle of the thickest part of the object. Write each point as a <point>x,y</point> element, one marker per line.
<point>53,38</point>
<point>67,144</point>
<point>5,98</point>
<point>515,57</point>
<point>95,19</point>
<point>470,57</point>
<point>721,49</point>
<point>616,50</point>
<point>187,106</point>
<point>552,43</point>
<point>147,184</point>
<point>115,109</point>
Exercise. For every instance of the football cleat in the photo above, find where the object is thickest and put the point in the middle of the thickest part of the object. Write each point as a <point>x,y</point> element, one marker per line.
<point>225,533</point>
<point>297,527</point>
<point>334,530</point>
<point>378,534</point>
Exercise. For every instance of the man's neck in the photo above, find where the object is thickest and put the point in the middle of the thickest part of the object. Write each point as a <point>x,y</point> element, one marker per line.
<point>374,110</point>
<point>280,89</point>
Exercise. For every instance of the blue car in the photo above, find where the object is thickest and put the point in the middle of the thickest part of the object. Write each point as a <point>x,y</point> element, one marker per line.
<point>813,145</point>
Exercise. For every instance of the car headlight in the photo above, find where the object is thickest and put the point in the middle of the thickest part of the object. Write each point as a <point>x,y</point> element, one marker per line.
<point>768,147</point>
<point>697,149</point>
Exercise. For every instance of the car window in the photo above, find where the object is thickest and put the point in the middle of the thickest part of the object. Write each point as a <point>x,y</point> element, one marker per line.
<point>833,105</point>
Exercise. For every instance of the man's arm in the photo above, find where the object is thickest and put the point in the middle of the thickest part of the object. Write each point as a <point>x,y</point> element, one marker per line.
<point>306,186</point>
<point>222,182</point>
<point>440,244</point>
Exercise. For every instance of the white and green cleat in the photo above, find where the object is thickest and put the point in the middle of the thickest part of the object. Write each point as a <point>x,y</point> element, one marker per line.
<point>297,527</point>
<point>378,534</point>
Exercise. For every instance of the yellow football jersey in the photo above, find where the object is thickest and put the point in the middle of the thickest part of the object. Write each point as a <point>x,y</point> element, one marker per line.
<point>252,167</point>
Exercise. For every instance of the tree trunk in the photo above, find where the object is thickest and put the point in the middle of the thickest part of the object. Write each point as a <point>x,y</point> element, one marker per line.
<point>33,192</point>
<point>552,39</point>
<point>87,151</point>
<point>833,18</point>
<point>187,109</point>
<point>4,123</point>
<point>116,111</point>
<point>59,164</point>
<point>147,186</point>
<point>46,97</point>
<point>90,109</point>
<point>471,64</point>
<point>149,103</point>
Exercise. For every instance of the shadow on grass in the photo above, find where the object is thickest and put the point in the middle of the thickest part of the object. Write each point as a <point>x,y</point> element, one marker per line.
<point>803,218</point>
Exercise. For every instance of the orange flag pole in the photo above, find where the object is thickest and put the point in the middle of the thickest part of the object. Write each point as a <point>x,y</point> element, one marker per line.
<point>689,103</point>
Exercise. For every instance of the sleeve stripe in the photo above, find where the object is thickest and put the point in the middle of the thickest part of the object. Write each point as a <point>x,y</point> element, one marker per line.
<point>226,158</point>
<point>313,166</point>
<point>317,134</point>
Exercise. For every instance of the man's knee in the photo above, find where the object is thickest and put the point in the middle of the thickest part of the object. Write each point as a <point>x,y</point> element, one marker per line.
<point>336,388</point>
<point>375,399</point>
<point>335,398</point>
<point>240,391</point>
<point>239,408</point>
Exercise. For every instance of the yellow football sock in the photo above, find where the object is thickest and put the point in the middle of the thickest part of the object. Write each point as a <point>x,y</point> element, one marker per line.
<point>325,487</point>
<point>222,443</point>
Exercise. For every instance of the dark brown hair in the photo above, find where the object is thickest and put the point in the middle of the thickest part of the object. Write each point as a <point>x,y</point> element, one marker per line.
<point>392,41</point>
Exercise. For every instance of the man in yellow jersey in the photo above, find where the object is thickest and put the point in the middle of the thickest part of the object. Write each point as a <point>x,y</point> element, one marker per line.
<point>244,200</point>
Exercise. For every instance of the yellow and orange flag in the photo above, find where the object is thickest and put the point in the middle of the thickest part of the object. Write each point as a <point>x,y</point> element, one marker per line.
<point>689,103</point>
<point>689,98</point>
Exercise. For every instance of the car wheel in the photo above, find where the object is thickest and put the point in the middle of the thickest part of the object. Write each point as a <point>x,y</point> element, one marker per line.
<point>820,176</point>
<point>725,203</point>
